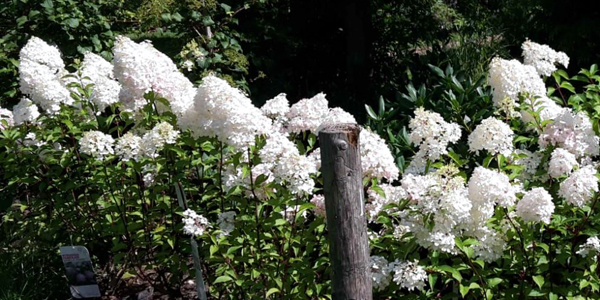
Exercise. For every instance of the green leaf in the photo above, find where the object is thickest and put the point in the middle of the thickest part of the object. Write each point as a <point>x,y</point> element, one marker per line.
<point>271,291</point>
<point>223,278</point>
<point>72,22</point>
<point>464,290</point>
<point>371,113</point>
<point>492,282</point>
<point>539,280</point>
<point>171,243</point>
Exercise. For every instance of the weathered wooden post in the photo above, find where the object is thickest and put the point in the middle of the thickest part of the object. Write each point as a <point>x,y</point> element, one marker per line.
<point>344,204</point>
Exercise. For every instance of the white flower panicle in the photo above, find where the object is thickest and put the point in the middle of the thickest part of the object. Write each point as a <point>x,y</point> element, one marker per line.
<point>307,114</point>
<point>561,162</point>
<point>536,206</point>
<point>336,115</point>
<point>486,189</point>
<point>543,58</point>
<point>25,111</point>
<point>529,160</point>
<point>492,135</point>
<point>319,202</point>
<point>100,73</point>
<point>376,202</point>
<point>491,245</point>
<point>287,164</point>
<point>591,246</point>
<point>547,110</point>
<point>573,132</point>
<point>291,212</point>
<point>431,133</point>
<point>154,140</point>
<point>140,69</point>
<point>376,158</point>
<point>41,69</point>
<point>6,116</point>
<point>223,111</point>
<point>277,107</point>
<point>409,275</point>
<point>194,224</point>
<point>381,273</point>
<point>128,147</point>
<point>97,144</point>
<point>580,186</point>
<point>226,222</point>
<point>509,78</point>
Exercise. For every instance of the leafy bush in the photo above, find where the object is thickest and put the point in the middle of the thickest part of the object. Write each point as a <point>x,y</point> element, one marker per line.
<point>130,158</point>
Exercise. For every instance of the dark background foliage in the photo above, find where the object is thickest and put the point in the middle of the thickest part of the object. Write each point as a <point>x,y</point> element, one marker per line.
<point>353,51</point>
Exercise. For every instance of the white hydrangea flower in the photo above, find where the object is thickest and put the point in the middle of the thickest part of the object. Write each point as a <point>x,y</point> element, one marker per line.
<point>315,157</point>
<point>128,147</point>
<point>443,197</point>
<point>561,162</point>
<point>579,188</point>
<point>226,222</point>
<point>543,58</point>
<point>32,140</point>
<point>376,202</point>
<point>573,132</point>
<point>97,144</point>
<point>431,133</point>
<point>492,135</point>
<point>41,69</point>
<point>509,78</point>
<point>380,272</point>
<point>290,213</point>
<point>319,202</point>
<point>530,162</point>
<point>288,165</point>
<point>307,114</point>
<point>194,224</point>
<point>491,187</point>
<point>536,206</point>
<point>225,112</point>
<point>491,245</point>
<point>591,246</point>
<point>140,68</point>
<point>154,140</point>
<point>549,110</point>
<point>376,158</point>
<point>277,107</point>
<point>6,116</point>
<point>25,111</point>
<point>409,275</point>
<point>100,73</point>
<point>336,115</point>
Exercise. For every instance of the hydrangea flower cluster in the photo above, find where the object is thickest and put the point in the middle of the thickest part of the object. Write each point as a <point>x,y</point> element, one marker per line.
<point>443,195</point>
<point>381,273</point>
<point>432,134</point>
<point>536,206</point>
<point>579,188</point>
<point>375,157</point>
<point>509,78</point>
<point>226,222</point>
<point>409,275</point>
<point>99,72</point>
<point>376,201</point>
<point>140,69</point>
<point>573,132</point>
<point>41,69</point>
<point>25,111</point>
<point>561,162</point>
<point>97,144</point>
<point>591,246</point>
<point>543,58</point>
<point>194,224</point>
<point>6,116</point>
<point>492,135</point>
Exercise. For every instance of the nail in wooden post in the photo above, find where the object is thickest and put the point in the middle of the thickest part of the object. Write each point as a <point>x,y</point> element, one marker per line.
<point>344,203</point>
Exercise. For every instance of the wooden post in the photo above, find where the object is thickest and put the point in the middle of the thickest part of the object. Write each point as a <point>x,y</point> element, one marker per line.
<point>344,204</point>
